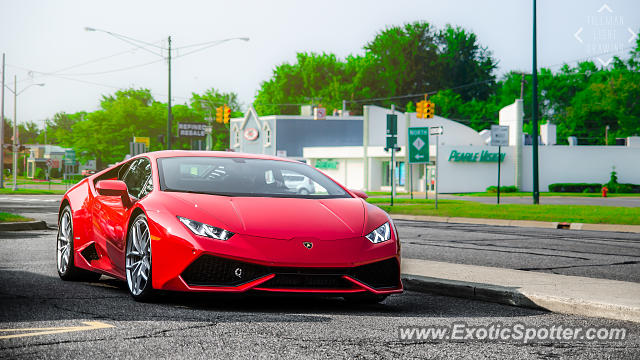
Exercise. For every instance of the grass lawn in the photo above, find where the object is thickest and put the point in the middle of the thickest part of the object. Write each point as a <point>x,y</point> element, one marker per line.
<point>20,191</point>
<point>559,213</point>
<point>6,217</point>
<point>528,194</point>
<point>380,193</point>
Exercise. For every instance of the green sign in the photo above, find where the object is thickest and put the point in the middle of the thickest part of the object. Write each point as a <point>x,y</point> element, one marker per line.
<point>330,164</point>
<point>483,156</point>
<point>69,157</point>
<point>418,145</point>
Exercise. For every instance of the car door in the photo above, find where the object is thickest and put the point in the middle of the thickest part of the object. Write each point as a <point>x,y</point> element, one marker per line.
<point>110,214</point>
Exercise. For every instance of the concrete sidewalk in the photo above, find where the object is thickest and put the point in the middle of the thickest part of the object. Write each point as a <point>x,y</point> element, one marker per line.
<point>557,293</point>
<point>522,223</point>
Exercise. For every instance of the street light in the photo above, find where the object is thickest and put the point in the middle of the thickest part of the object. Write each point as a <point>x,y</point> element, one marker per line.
<point>16,141</point>
<point>133,41</point>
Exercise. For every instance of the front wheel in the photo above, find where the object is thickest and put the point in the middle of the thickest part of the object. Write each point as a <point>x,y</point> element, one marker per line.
<point>64,251</point>
<point>138,259</point>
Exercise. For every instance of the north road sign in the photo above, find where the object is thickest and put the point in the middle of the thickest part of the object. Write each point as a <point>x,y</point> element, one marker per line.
<point>418,145</point>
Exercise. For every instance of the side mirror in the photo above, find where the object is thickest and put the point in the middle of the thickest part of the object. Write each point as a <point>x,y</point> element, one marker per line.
<point>360,194</point>
<point>114,188</point>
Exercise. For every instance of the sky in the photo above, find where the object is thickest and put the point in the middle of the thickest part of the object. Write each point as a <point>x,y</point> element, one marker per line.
<point>45,41</point>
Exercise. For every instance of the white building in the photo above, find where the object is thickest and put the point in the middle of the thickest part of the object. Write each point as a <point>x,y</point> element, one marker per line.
<point>466,162</point>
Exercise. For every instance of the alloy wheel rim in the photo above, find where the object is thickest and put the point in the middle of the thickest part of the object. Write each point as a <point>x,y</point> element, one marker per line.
<point>138,259</point>
<point>64,241</point>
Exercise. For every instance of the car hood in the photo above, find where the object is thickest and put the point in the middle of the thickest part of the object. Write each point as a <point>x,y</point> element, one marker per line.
<point>278,218</point>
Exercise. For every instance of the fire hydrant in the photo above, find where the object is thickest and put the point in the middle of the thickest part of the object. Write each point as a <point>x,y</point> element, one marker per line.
<point>604,191</point>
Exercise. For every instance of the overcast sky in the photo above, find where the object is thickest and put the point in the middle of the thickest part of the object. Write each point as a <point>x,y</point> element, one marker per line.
<point>48,36</point>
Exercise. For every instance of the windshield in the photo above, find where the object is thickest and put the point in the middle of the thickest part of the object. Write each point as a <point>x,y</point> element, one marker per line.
<point>245,177</point>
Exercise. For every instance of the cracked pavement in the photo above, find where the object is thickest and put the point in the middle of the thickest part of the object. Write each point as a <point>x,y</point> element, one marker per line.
<point>198,326</point>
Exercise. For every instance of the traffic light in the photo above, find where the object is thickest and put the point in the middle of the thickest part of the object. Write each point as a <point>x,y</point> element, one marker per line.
<point>227,114</point>
<point>420,109</point>
<point>219,114</point>
<point>429,110</point>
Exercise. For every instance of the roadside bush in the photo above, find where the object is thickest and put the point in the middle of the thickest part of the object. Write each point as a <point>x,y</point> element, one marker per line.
<point>55,173</point>
<point>503,189</point>
<point>39,174</point>
<point>616,188</point>
<point>575,187</point>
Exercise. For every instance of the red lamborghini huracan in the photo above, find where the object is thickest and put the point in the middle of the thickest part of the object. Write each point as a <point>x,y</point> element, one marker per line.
<point>226,222</point>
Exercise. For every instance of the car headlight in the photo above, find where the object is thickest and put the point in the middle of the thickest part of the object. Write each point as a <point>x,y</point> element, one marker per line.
<point>205,230</point>
<point>381,234</point>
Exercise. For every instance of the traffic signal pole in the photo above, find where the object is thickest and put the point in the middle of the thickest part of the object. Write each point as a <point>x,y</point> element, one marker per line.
<point>15,134</point>
<point>2,129</point>
<point>169,114</point>
<point>534,112</point>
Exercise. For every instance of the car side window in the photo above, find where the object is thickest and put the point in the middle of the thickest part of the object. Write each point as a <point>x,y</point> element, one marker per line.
<point>138,177</point>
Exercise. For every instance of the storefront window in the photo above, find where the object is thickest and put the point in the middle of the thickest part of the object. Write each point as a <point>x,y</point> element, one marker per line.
<point>399,173</point>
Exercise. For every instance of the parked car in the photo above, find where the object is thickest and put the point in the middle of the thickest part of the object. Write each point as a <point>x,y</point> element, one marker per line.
<point>198,221</point>
<point>299,183</point>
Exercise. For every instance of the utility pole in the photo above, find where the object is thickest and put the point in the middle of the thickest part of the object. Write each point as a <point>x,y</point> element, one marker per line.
<point>606,135</point>
<point>534,112</point>
<point>169,115</point>
<point>522,87</point>
<point>2,129</point>
<point>393,163</point>
<point>15,134</point>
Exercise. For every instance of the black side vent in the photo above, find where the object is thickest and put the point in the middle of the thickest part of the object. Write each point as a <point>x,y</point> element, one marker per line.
<point>90,253</point>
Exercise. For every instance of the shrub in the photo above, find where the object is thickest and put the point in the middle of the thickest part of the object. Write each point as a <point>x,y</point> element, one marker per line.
<point>39,174</point>
<point>503,189</point>
<point>575,187</point>
<point>55,173</point>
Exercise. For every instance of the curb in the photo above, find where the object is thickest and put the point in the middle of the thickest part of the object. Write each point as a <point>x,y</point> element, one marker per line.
<point>21,226</point>
<point>521,223</point>
<point>511,296</point>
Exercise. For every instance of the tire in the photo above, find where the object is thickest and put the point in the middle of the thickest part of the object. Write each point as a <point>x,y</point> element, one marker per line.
<point>138,260</point>
<point>303,191</point>
<point>64,251</point>
<point>365,298</point>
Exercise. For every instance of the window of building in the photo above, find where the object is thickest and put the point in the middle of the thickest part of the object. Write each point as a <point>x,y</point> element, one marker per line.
<point>267,134</point>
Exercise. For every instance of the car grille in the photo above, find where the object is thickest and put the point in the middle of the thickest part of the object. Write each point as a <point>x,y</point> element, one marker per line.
<point>209,270</point>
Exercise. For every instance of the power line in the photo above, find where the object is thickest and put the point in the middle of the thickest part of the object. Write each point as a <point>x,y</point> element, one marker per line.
<point>113,70</point>
<point>43,73</point>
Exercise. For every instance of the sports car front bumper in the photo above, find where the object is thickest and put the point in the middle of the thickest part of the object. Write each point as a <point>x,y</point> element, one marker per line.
<point>185,262</point>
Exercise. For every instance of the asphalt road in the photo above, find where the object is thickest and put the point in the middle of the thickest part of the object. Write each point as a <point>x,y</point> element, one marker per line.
<point>607,255</point>
<point>40,207</point>
<point>213,326</point>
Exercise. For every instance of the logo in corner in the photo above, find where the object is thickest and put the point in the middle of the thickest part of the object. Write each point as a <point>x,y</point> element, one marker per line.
<point>308,244</point>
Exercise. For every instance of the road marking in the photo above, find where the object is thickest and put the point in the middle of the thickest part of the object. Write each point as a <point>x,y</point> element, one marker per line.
<point>89,325</point>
